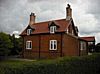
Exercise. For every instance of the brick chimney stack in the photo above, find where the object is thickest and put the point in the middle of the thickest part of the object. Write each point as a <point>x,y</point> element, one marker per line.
<point>68,11</point>
<point>32,19</point>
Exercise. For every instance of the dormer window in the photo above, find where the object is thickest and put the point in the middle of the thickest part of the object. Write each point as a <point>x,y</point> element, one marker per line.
<point>29,31</point>
<point>53,29</point>
<point>53,26</point>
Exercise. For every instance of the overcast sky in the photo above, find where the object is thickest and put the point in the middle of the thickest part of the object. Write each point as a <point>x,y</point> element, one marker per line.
<point>14,14</point>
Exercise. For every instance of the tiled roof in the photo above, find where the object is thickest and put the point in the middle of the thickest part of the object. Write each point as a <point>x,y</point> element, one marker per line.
<point>91,38</point>
<point>43,27</point>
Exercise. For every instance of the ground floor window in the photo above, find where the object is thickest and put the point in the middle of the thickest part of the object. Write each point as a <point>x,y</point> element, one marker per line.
<point>53,44</point>
<point>82,45</point>
<point>28,44</point>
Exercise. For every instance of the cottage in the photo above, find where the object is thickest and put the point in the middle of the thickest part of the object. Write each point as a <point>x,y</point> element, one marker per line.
<point>54,38</point>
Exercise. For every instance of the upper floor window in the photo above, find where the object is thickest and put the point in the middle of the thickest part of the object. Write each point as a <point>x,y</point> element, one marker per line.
<point>28,44</point>
<point>29,31</point>
<point>53,29</point>
<point>53,44</point>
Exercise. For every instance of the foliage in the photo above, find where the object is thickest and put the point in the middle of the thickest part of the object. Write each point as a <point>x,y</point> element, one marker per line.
<point>17,45</point>
<point>91,48</point>
<point>65,65</point>
<point>9,45</point>
<point>5,44</point>
<point>97,47</point>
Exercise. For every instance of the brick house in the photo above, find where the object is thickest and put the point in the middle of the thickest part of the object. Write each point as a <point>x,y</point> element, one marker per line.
<point>54,38</point>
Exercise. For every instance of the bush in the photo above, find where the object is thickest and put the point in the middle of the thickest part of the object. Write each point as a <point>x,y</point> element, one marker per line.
<point>65,65</point>
<point>5,44</point>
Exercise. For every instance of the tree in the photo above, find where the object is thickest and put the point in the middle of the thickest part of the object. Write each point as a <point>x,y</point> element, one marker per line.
<point>5,44</point>
<point>97,47</point>
<point>91,48</point>
<point>17,45</point>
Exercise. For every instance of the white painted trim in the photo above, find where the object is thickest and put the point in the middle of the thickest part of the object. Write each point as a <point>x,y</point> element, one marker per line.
<point>29,31</point>
<point>82,45</point>
<point>54,42</point>
<point>28,45</point>
<point>52,29</point>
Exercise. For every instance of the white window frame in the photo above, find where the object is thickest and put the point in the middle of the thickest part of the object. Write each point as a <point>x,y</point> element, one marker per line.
<point>67,31</point>
<point>72,32</point>
<point>89,43</point>
<point>29,31</point>
<point>53,45</point>
<point>82,45</point>
<point>53,29</point>
<point>28,44</point>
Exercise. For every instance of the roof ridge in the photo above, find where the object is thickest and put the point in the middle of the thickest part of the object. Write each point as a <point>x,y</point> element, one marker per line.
<point>48,21</point>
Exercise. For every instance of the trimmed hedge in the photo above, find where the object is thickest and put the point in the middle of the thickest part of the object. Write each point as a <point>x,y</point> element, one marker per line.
<point>65,65</point>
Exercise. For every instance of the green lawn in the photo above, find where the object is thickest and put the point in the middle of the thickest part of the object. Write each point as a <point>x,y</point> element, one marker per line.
<point>65,65</point>
<point>16,62</point>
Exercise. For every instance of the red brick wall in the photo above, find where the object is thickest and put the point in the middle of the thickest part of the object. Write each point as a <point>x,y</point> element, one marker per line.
<point>31,53</point>
<point>43,41</point>
<point>45,52</point>
<point>70,46</point>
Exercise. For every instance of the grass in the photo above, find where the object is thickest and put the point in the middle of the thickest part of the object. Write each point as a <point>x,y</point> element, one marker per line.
<point>16,62</point>
<point>65,65</point>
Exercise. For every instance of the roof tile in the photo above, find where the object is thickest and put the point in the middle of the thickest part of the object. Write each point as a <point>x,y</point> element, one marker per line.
<point>42,27</point>
<point>91,38</point>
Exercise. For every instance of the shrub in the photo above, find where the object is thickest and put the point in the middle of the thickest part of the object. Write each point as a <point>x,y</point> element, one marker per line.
<point>65,65</point>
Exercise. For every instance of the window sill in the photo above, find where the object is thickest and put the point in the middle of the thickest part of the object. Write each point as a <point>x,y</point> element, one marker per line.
<point>28,48</point>
<point>52,49</point>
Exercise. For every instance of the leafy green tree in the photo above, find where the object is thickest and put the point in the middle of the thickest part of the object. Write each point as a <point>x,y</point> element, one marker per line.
<point>91,48</point>
<point>17,45</point>
<point>97,47</point>
<point>5,44</point>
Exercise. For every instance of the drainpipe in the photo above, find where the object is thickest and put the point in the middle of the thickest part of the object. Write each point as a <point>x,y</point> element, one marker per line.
<point>39,46</point>
<point>61,45</point>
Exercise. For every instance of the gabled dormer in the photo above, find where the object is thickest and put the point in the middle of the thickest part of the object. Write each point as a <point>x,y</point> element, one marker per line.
<point>53,27</point>
<point>29,30</point>
<point>72,29</point>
